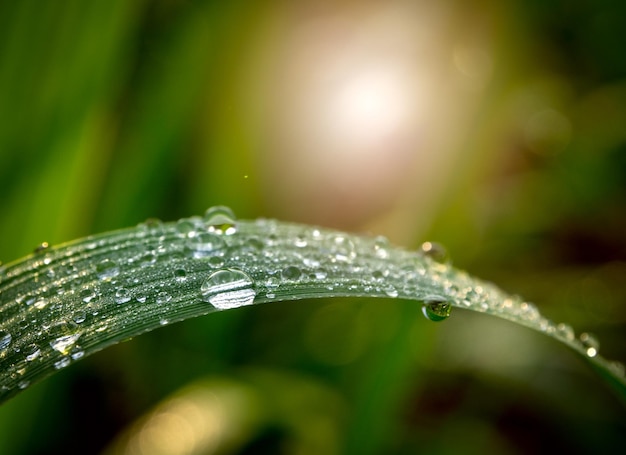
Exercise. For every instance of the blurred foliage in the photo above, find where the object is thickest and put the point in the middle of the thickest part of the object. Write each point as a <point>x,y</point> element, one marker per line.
<point>113,112</point>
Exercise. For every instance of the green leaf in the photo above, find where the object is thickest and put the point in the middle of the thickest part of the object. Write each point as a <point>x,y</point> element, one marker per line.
<point>62,304</point>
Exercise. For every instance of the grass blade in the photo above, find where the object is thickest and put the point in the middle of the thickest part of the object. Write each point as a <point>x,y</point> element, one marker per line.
<point>64,303</point>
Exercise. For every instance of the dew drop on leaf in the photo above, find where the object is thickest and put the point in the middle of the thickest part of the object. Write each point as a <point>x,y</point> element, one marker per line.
<point>205,244</point>
<point>228,288</point>
<point>434,250</point>
<point>5,340</point>
<point>436,310</point>
<point>220,220</point>
<point>65,361</point>
<point>590,344</point>
<point>107,269</point>
<point>122,295</point>
<point>291,273</point>
<point>32,352</point>
<point>163,297</point>
<point>64,343</point>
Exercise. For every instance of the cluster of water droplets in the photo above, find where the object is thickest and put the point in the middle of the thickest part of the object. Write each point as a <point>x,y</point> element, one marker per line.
<point>63,303</point>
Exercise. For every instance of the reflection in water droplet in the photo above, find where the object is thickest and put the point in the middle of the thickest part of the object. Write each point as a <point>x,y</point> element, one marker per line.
<point>590,343</point>
<point>228,288</point>
<point>122,295</point>
<point>107,269</point>
<point>291,273</point>
<point>5,340</point>
<point>220,220</point>
<point>436,310</point>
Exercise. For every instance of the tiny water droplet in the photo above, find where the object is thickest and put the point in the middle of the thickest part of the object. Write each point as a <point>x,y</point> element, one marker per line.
<point>41,303</point>
<point>291,273</point>
<point>77,353</point>
<point>32,352</point>
<point>180,275</point>
<point>147,259</point>
<point>64,343</point>
<point>436,310</point>
<point>163,297</point>
<point>391,291</point>
<point>566,331</point>
<point>163,322</point>
<point>186,228</point>
<point>216,262</point>
<point>122,295</point>
<point>590,343</point>
<point>320,274</point>
<point>342,249</point>
<point>300,241</point>
<point>79,317</point>
<point>220,220</point>
<point>23,384</point>
<point>65,361</point>
<point>380,247</point>
<point>87,294</point>
<point>434,250</point>
<point>107,269</point>
<point>205,244</point>
<point>228,288</point>
<point>43,246</point>
<point>5,340</point>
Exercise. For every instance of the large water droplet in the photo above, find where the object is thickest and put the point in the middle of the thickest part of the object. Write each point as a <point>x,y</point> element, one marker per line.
<point>64,343</point>
<point>228,288</point>
<point>5,340</point>
<point>436,310</point>
<point>220,220</point>
<point>107,269</point>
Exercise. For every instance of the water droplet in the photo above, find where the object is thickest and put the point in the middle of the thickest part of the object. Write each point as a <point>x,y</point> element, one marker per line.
<point>391,291</point>
<point>342,249</point>
<point>163,322</point>
<point>228,288</point>
<point>220,220</point>
<point>436,310</point>
<point>65,361</point>
<point>291,273</point>
<point>23,384</point>
<point>87,294</point>
<point>107,269</point>
<point>148,259</point>
<point>180,275</point>
<point>186,228</point>
<point>122,295</point>
<point>216,262</point>
<point>32,352</point>
<point>43,246</point>
<point>300,241</point>
<point>590,344</point>
<point>434,250</point>
<point>380,247</point>
<point>77,353</point>
<point>566,331</point>
<point>163,297</point>
<point>320,274</point>
<point>205,244</point>
<point>79,317</point>
<point>64,343</point>
<point>41,303</point>
<point>5,340</point>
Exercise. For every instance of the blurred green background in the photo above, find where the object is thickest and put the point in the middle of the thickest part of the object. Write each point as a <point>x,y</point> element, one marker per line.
<point>495,128</point>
